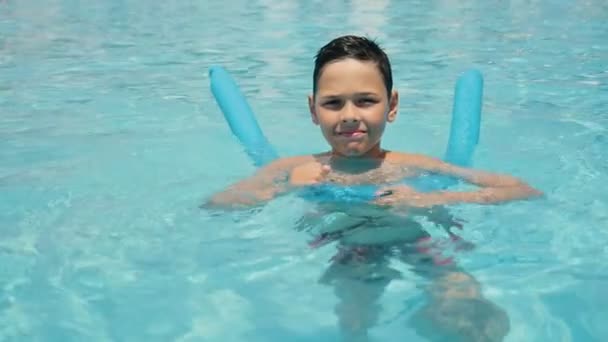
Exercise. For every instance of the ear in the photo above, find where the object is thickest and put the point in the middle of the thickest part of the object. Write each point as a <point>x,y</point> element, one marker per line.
<point>393,106</point>
<point>311,108</point>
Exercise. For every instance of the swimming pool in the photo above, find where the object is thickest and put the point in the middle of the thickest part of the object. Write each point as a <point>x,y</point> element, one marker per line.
<point>111,139</point>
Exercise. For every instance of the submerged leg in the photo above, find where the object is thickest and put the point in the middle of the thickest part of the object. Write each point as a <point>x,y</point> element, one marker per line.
<point>456,309</point>
<point>359,276</point>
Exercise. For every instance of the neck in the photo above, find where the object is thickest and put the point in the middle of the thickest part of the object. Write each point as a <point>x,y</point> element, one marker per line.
<point>355,164</point>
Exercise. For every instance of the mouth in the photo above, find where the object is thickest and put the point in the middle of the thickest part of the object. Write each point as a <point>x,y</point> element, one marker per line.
<point>352,134</point>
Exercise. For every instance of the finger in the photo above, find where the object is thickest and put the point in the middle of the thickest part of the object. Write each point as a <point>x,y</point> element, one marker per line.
<point>325,169</point>
<point>387,200</point>
<point>384,192</point>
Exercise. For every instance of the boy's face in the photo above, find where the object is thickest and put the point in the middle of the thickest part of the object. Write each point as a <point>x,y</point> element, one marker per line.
<point>352,107</point>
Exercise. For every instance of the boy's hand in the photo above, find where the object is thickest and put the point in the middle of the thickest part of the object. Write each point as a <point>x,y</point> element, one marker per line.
<point>309,174</point>
<point>402,195</point>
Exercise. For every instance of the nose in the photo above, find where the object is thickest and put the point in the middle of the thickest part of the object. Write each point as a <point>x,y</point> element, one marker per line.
<point>349,114</point>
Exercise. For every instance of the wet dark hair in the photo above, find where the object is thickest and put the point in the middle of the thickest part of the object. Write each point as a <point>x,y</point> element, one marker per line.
<point>359,48</point>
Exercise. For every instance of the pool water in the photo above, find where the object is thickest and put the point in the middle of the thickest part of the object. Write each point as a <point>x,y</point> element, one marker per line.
<point>111,139</point>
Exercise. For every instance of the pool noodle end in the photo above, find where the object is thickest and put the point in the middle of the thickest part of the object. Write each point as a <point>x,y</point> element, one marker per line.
<point>464,131</point>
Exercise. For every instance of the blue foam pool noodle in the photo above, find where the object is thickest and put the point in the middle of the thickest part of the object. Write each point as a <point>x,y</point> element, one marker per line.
<point>240,117</point>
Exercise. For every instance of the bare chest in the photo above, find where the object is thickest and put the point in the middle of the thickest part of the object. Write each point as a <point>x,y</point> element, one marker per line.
<point>381,175</point>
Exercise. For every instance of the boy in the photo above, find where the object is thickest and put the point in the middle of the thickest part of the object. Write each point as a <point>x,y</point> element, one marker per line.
<point>352,102</point>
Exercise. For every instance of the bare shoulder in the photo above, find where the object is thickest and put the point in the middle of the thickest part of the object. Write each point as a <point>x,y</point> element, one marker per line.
<point>288,163</point>
<point>294,161</point>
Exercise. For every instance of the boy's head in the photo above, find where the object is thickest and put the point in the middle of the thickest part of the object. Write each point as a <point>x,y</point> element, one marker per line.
<point>352,96</point>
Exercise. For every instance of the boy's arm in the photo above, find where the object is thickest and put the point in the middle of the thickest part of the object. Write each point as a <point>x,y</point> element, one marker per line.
<point>267,183</point>
<point>494,187</point>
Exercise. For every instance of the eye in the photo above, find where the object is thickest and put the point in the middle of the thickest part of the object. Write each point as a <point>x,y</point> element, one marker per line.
<point>366,101</point>
<point>334,103</point>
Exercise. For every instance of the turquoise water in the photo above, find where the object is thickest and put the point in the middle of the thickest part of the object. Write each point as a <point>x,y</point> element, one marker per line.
<point>111,139</point>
